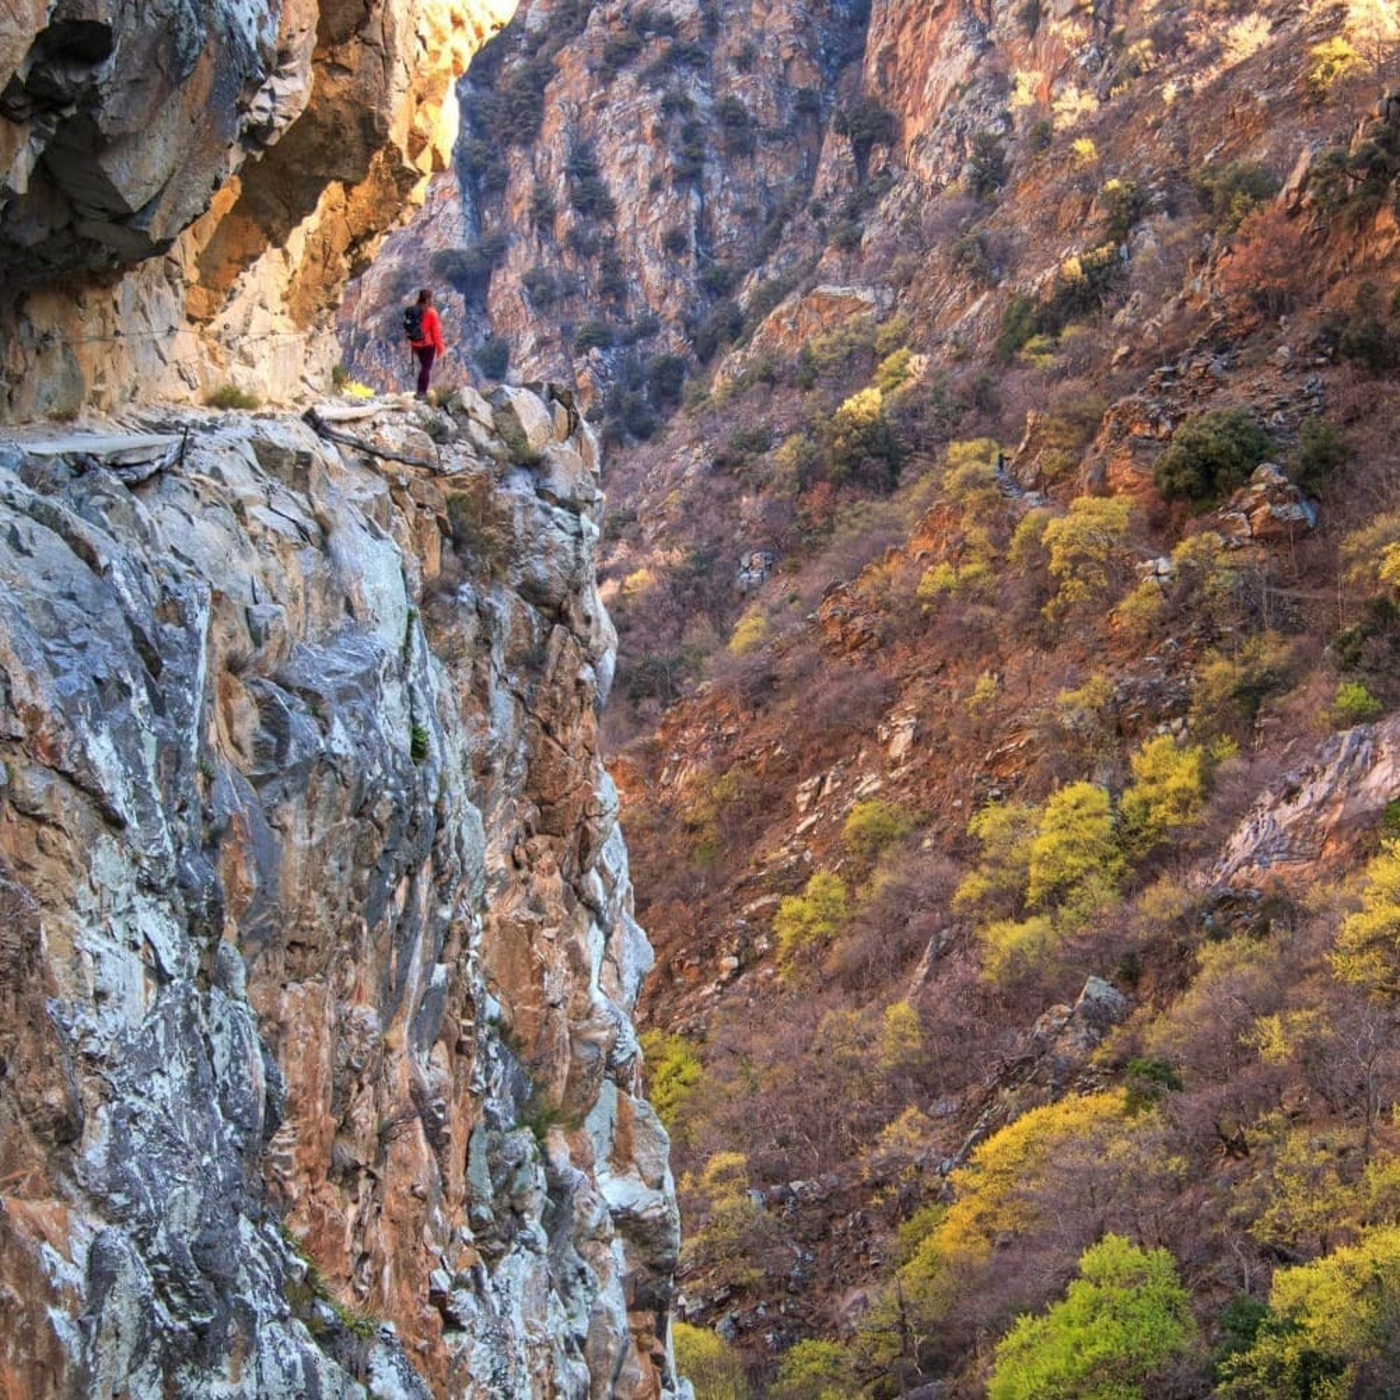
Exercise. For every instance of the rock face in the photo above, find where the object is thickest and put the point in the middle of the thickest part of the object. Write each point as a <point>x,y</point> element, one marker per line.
<point>229,163</point>
<point>1315,813</point>
<point>318,1072</point>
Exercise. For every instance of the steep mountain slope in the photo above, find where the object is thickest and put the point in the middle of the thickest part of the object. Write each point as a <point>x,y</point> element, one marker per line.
<point>994,548</point>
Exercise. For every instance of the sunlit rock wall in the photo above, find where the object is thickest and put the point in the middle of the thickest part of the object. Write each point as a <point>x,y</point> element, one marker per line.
<point>185,189</point>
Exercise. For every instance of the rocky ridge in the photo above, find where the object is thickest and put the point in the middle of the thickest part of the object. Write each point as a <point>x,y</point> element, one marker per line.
<point>318,1072</point>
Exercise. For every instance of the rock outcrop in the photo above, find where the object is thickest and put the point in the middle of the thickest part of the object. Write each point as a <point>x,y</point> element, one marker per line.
<point>185,189</point>
<point>1315,814</point>
<point>318,955</point>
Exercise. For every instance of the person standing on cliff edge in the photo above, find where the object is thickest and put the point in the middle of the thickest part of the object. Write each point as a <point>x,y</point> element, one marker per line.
<point>424,337</point>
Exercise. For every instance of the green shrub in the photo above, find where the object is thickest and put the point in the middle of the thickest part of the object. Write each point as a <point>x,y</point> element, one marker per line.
<point>1124,203</point>
<point>723,325</point>
<point>665,380</point>
<point>231,396</point>
<point>1321,450</point>
<point>735,124</point>
<point>594,335</point>
<point>1354,704</point>
<point>1364,336</point>
<point>971,255</point>
<point>493,357</point>
<point>588,191</point>
<point>688,158</point>
<point>846,236</point>
<point>1040,136</point>
<point>1232,189</point>
<point>1146,1080</point>
<point>1082,285</point>
<point>541,286</point>
<point>892,373</point>
<point>866,124</point>
<point>985,171</point>
<point>718,279</point>
<point>1019,322</point>
<point>1210,454</point>
<point>542,208</point>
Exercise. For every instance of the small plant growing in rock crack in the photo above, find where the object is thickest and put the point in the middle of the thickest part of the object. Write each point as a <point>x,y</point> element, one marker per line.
<point>231,396</point>
<point>539,1116</point>
<point>312,1287</point>
<point>417,743</point>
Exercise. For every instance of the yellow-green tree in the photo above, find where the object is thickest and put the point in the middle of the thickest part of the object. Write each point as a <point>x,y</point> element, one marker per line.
<point>734,1229</point>
<point>1119,1324</point>
<point>814,1370</point>
<point>1333,1329</point>
<point>860,442</point>
<point>1087,551</point>
<point>1167,793</point>
<point>673,1069</point>
<point>814,917</point>
<point>901,1037</point>
<point>995,886</point>
<point>1368,944</point>
<point>1075,862</point>
<point>996,1192</point>
<point>871,825</point>
<point>712,1366</point>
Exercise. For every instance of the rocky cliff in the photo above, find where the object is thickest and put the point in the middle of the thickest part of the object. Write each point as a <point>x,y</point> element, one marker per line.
<point>318,1072</point>
<point>184,189</point>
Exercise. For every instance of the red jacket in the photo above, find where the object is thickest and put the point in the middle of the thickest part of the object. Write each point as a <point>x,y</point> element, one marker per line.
<point>432,332</point>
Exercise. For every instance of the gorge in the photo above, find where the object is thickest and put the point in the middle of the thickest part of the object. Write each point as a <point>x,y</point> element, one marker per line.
<point>924,472</point>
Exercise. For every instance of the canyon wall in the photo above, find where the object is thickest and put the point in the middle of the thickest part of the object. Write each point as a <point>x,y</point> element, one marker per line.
<point>184,189</point>
<point>640,183</point>
<point>317,1063</point>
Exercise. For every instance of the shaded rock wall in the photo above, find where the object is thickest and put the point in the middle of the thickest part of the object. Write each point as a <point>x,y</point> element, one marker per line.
<point>184,189</point>
<point>316,1066</point>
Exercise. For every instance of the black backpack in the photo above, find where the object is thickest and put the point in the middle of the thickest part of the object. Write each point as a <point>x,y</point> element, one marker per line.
<point>413,322</point>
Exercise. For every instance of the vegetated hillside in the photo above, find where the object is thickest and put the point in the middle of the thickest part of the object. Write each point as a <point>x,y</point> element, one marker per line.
<point>1019,872</point>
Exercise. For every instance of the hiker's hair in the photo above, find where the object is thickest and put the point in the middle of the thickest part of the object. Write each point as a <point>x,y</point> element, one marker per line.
<point>425,295</point>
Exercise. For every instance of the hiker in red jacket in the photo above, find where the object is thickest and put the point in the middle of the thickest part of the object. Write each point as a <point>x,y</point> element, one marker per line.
<point>426,341</point>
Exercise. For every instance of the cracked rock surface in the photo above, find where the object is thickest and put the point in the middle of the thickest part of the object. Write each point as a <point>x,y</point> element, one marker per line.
<point>317,1074</point>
